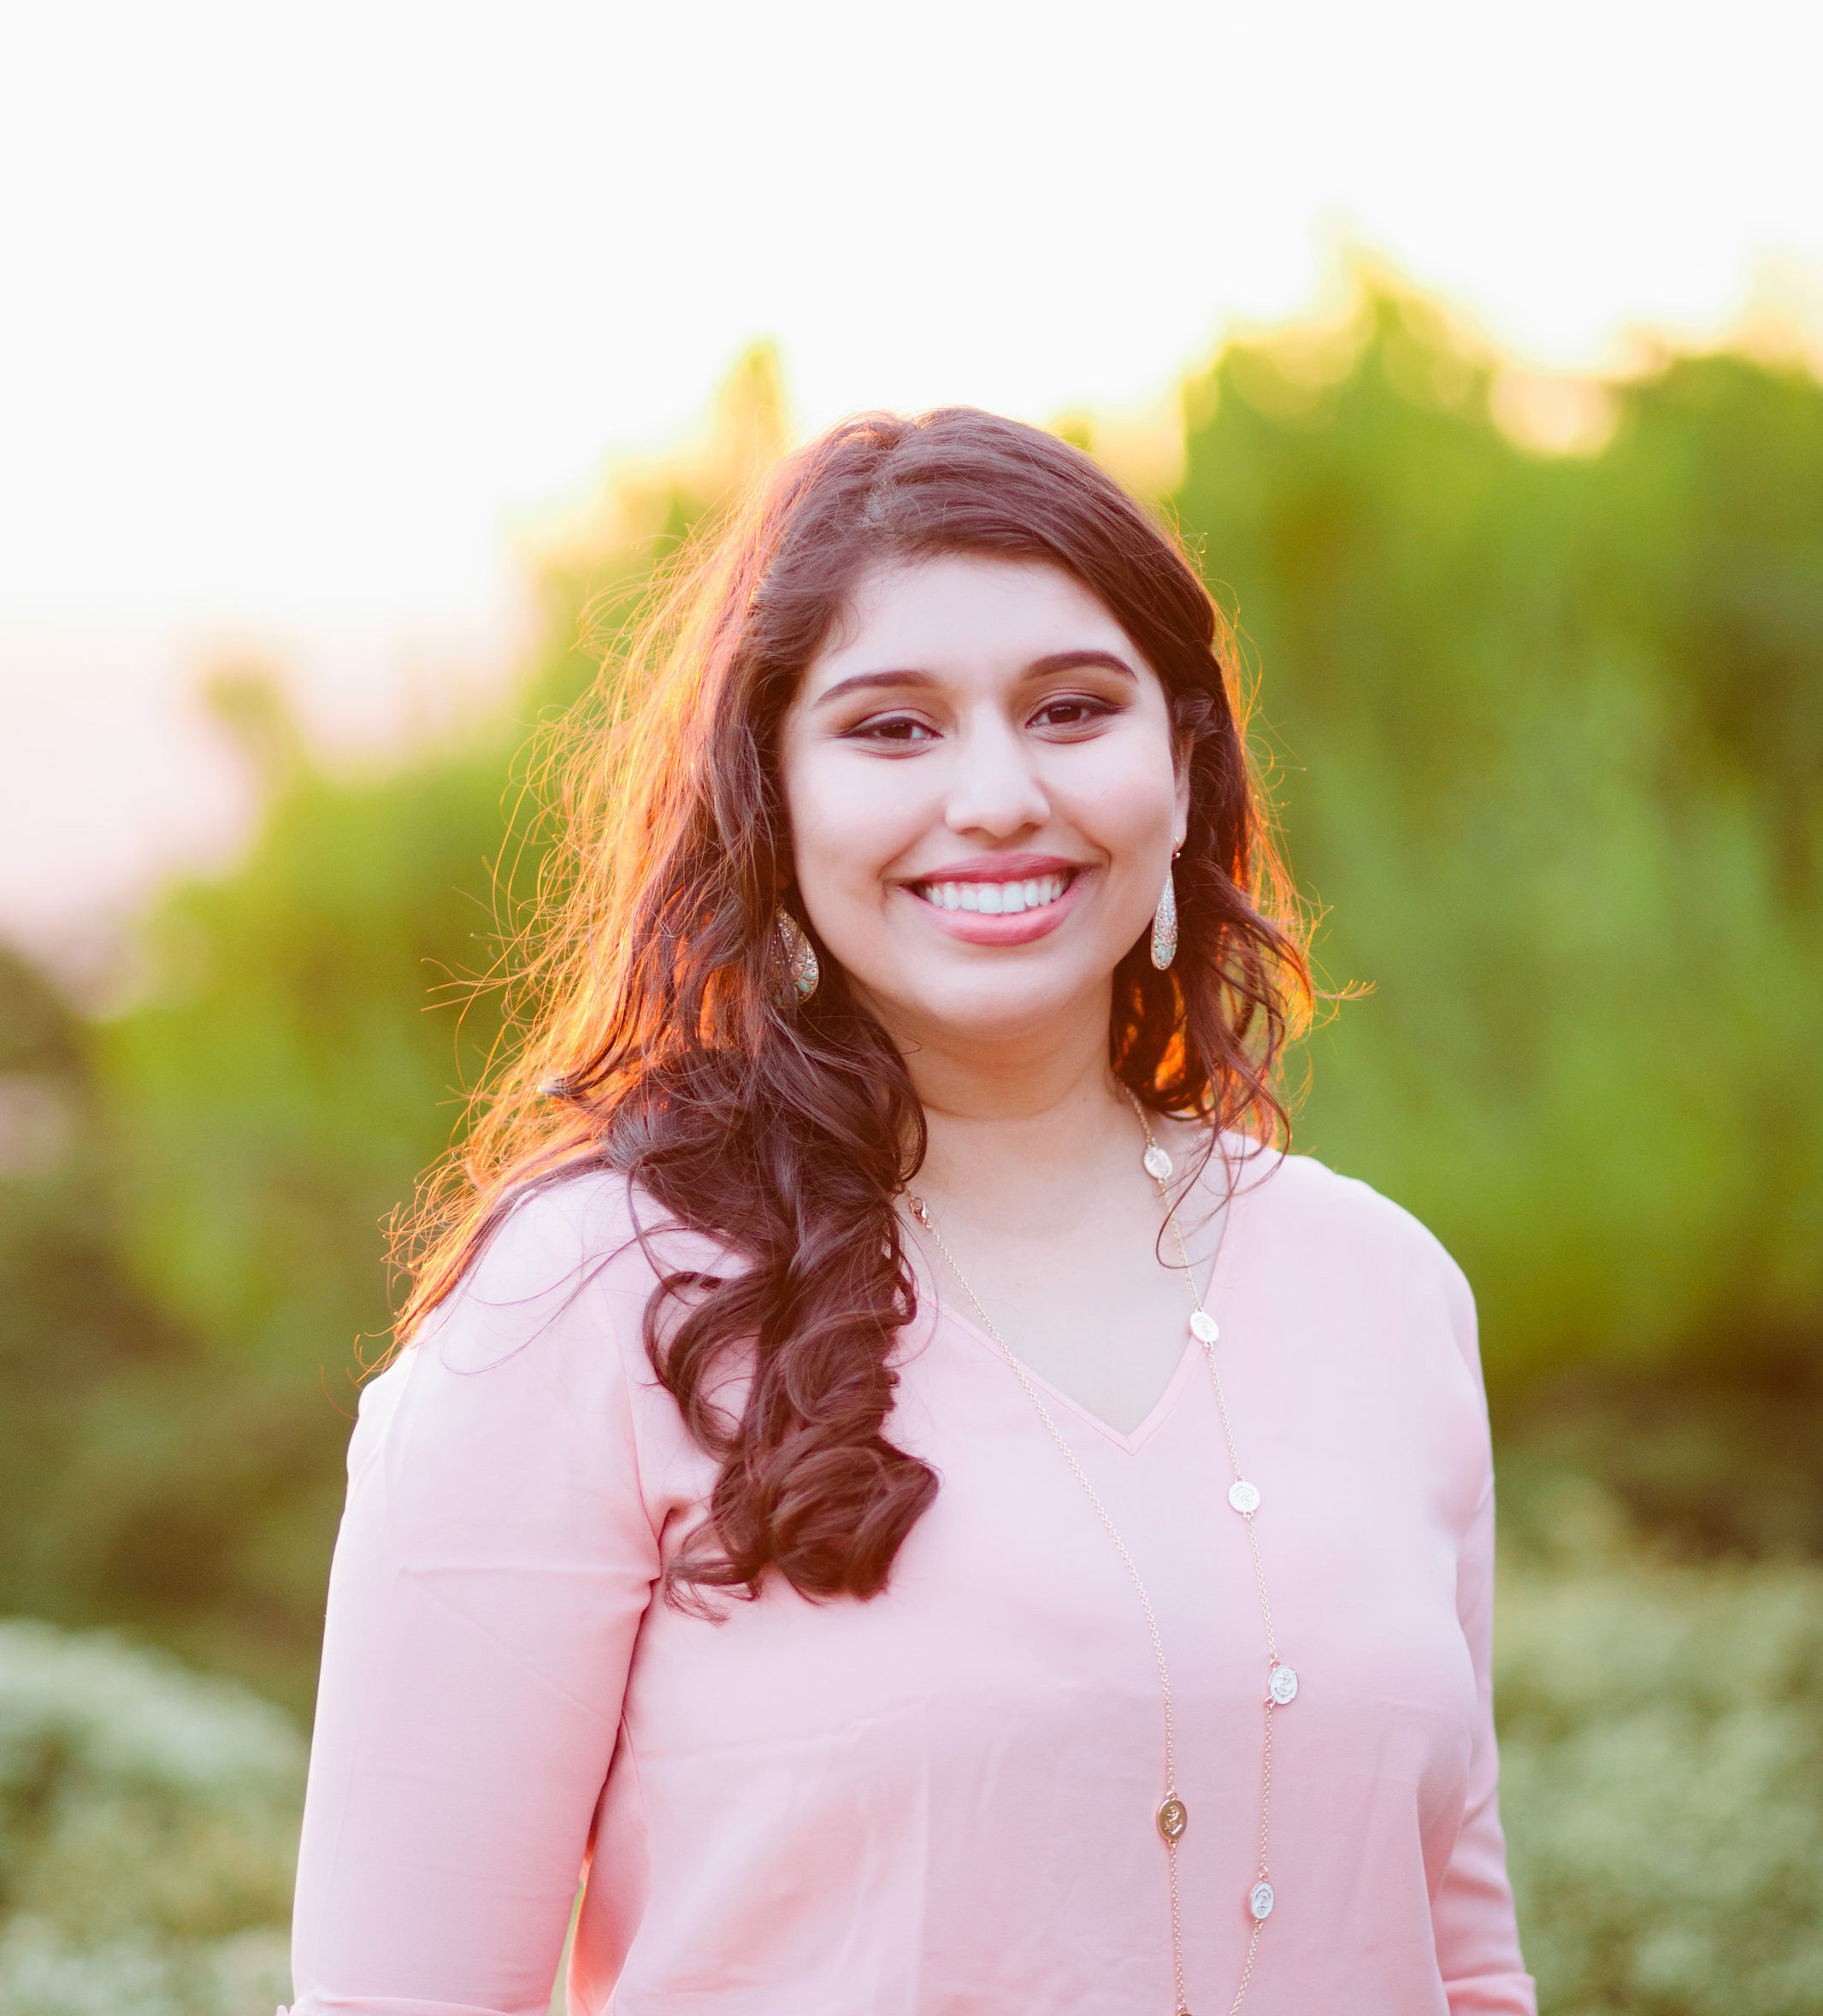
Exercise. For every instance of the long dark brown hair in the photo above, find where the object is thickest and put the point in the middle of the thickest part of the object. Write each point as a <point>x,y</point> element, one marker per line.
<point>663,1047</point>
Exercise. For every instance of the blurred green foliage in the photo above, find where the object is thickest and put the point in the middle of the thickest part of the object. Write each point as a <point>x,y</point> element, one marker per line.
<point>1661,1776</point>
<point>273,1099</point>
<point>1550,736</point>
<point>84,1346</point>
<point>147,1834</point>
<point>1547,733</point>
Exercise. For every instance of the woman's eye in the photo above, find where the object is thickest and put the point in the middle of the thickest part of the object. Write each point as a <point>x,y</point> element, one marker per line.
<point>1078,712</point>
<point>901,728</point>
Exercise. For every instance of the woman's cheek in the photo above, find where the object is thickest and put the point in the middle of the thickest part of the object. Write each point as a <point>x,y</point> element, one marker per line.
<point>852,822</point>
<point>1123,804</point>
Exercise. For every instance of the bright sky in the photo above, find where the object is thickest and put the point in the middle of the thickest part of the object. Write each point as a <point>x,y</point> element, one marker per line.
<point>311,310</point>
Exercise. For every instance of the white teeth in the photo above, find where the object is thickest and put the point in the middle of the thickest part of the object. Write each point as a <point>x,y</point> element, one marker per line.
<point>995,899</point>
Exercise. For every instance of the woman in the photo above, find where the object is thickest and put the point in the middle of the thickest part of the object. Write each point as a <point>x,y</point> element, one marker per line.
<point>894,1481</point>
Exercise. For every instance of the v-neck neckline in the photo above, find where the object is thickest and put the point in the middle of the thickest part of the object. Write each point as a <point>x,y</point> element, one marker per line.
<point>1214,1291</point>
<point>1131,1442</point>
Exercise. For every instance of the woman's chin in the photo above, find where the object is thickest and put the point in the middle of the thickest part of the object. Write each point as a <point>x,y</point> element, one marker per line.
<point>991,1009</point>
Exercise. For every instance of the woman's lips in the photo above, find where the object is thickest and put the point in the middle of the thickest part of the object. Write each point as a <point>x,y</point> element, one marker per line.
<point>979,909</point>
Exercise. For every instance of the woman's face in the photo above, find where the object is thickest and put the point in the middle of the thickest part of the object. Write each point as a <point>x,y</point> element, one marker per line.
<point>984,797</point>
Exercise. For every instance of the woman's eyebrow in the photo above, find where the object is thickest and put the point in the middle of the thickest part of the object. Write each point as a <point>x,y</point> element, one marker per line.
<point>1056,661</point>
<point>866,681</point>
<point>1067,661</point>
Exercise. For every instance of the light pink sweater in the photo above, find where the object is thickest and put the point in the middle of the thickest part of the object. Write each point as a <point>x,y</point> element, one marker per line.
<point>938,1803</point>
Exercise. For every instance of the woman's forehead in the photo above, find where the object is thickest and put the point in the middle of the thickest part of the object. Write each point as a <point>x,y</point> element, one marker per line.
<point>964,615</point>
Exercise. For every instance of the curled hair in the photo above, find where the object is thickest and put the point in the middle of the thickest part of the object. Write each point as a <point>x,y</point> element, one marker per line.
<point>784,1131</point>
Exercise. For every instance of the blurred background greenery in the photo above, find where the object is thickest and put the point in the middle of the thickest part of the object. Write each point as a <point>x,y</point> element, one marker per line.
<point>1540,679</point>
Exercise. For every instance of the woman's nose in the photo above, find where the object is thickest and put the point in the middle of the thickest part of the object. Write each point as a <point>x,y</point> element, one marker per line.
<point>994,787</point>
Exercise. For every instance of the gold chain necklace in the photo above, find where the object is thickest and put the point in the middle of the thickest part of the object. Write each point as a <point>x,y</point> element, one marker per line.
<point>1173,1816</point>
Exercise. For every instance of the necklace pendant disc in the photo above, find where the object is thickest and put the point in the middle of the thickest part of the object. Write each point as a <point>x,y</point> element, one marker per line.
<point>1259,1901</point>
<point>1203,1327</point>
<point>1174,1816</point>
<point>1282,1686</point>
<point>1158,1163</point>
<point>1244,1496</point>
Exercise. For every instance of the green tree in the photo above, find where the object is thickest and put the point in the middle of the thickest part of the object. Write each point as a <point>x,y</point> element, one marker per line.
<point>76,1330</point>
<point>1550,761</point>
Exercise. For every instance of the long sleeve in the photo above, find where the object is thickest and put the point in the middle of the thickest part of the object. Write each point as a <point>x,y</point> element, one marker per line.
<point>495,1560</point>
<point>1477,1943</point>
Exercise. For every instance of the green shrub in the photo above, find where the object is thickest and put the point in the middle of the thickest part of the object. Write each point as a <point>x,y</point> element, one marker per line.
<point>148,1833</point>
<point>1661,1749</point>
<point>45,1973</point>
<point>1661,1734</point>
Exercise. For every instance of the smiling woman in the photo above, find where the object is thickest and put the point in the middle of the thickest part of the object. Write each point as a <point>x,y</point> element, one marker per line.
<point>862,1654</point>
<point>1009,704</point>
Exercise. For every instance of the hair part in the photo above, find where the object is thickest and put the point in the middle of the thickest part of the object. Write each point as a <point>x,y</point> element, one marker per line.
<point>786,1131</point>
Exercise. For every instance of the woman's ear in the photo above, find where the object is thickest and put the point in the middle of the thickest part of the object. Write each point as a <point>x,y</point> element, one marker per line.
<point>1181,764</point>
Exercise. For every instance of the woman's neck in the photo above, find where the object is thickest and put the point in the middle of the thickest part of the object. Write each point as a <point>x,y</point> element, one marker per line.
<point>1033,1131</point>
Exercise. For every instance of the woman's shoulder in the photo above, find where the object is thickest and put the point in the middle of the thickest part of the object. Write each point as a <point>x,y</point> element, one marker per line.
<point>1298,1198</point>
<point>571,1262</point>
<point>1343,1239</point>
<point>586,1222</point>
<point>516,1391</point>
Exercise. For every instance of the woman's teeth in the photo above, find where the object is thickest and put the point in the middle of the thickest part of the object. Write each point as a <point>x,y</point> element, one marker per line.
<point>995,899</point>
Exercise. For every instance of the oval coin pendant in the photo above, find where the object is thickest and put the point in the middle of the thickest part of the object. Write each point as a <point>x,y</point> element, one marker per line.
<point>1282,1686</point>
<point>1244,1496</point>
<point>1158,1163</point>
<point>1203,1327</point>
<point>1174,1816</point>
<point>1259,1900</point>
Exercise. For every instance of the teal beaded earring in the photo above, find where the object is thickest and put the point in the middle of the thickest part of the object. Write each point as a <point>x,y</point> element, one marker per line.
<point>799,956</point>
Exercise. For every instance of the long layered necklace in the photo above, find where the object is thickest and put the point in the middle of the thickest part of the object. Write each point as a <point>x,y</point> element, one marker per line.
<point>1173,1817</point>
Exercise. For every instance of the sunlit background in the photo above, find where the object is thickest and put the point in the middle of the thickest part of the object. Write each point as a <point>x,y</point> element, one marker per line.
<point>315,317</point>
<point>356,364</point>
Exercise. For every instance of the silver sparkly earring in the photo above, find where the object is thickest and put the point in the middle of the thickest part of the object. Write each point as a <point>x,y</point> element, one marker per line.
<point>1165,924</point>
<point>799,955</point>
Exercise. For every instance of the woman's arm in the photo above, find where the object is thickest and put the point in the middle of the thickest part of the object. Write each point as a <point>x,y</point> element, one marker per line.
<point>494,1562</point>
<point>1477,1940</point>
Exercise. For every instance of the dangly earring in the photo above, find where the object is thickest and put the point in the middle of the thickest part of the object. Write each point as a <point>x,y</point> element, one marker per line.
<point>1165,921</point>
<point>799,956</point>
